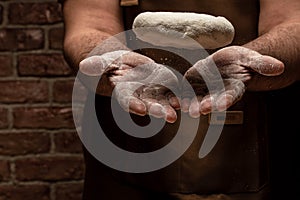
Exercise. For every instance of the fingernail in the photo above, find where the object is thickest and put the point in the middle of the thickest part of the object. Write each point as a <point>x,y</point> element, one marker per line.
<point>137,107</point>
<point>157,110</point>
<point>185,104</point>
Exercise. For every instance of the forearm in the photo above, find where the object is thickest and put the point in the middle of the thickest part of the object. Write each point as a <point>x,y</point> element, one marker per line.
<point>89,42</point>
<point>87,24</point>
<point>77,47</point>
<point>281,42</point>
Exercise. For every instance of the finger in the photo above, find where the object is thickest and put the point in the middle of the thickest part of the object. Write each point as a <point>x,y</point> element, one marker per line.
<point>263,64</point>
<point>225,100</point>
<point>235,72</point>
<point>98,64</point>
<point>150,73</point>
<point>187,95</point>
<point>92,66</point>
<point>233,92</point>
<point>137,107</point>
<point>169,111</point>
<point>159,107</point>
<point>92,74</point>
<point>185,105</point>
<point>133,105</point>
<point>173,100</point>
<point>206,105</point>
<point>220,101</point>
<point>170,114</point>
<point>125,95</point>
<point>194,109</point>
<point>134,59</point>
<point>267,65</point>
<point>122,70</point>
<point>154,109</point>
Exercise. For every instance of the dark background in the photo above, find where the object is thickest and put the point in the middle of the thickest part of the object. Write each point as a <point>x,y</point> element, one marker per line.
<point>284,112</point>
<point>40,153</point>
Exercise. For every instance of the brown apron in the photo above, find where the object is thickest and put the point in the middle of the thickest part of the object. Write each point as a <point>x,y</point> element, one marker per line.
<point>237,167</point>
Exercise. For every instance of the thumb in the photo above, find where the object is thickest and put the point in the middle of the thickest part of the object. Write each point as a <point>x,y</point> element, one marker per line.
<point>262,64</point>
<point>98,64</point>
<point>267,65</point>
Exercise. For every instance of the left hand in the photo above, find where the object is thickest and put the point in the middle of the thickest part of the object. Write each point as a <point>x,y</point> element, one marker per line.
<point>140,85</point>
<point>219,80</point>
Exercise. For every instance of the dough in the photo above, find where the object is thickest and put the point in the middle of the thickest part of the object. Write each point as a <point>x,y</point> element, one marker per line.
<point>182,29</point>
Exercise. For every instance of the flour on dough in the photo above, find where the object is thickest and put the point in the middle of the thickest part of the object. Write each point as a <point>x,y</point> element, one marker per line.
<point>183,30</point>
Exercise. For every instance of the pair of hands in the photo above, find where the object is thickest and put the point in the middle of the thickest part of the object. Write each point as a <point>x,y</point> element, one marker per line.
<point>142,86</point>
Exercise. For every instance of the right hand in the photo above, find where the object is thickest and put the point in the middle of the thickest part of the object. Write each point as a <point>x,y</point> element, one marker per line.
<point>140,85</point>
<point>233,66</point>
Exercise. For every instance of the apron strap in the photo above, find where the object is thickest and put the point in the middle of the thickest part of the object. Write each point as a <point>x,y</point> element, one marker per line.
<point>129,2</point>
<point>131,9</point>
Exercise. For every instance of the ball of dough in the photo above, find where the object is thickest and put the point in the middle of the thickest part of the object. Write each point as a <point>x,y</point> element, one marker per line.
<point>183,29</point>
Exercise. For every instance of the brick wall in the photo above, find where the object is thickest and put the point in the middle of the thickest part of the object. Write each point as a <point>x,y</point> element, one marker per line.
<point>40,153</point>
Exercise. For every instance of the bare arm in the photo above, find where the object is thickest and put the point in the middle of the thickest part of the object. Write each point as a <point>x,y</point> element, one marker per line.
<point>279,36</point>
<point>88,23</point>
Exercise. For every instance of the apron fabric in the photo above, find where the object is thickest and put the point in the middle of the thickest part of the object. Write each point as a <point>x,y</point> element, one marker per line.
<point>236,168</point>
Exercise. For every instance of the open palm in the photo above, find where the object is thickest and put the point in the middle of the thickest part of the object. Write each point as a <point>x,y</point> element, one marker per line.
<point>140,85</point>
<point>220,80</point>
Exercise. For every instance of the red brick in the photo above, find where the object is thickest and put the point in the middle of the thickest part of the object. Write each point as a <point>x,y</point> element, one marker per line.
<point>53,168</point>
<point>16,39</point>
<point>56,36</point>
<point>34,13</point>
<point>69,191</point>
<point>24,143</point>
<point>3,118</point>
<point>43,65</point>
<point>62,91</point>
<point>24,192</point>
<point>43,117</point>
<point>67,142</point>
<point>4,170</point>
<point>24,91</point>
<point>6,67</point>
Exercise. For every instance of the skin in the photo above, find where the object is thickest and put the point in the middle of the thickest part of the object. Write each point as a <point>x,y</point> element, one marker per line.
<point>134,80</point>
<point>89,22</point>
<point>235,64</point>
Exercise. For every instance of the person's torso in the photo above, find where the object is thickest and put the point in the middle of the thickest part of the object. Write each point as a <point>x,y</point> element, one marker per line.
<point>238,162</point>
